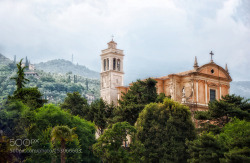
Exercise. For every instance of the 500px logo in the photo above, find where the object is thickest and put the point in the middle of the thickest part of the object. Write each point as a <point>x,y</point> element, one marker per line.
<point>25,142</point>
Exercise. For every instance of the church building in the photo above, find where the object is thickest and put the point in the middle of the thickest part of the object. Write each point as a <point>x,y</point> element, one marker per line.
<point>194,88</point>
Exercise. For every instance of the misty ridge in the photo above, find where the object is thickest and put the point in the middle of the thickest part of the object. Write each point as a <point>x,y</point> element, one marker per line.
<point>59,66</point>
<point>63,66</point>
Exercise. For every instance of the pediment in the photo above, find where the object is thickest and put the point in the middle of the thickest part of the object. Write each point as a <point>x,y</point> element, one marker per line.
<point>215,70</point>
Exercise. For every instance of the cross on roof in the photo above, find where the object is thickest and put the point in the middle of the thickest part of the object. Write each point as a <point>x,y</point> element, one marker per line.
<point>112,37</point>
<point>211,53</point>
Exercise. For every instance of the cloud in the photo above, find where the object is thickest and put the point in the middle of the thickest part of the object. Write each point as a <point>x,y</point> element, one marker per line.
<point>158,37</point>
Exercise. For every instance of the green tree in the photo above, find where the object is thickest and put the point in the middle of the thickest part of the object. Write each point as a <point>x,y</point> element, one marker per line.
<point>5,150</point>
<point>76,104</point>
<point>160,98</point>
<point>11,117</point>
<point>20,78</point>
<point>31,97</point>
<point>62,134</point>
<point>206,148</point>
<point>100,113</point>
<point>236,138</point>
<point>163,129</point>
<point>231,145</point>
<point>230,106</point>
<point>112,145</point>
<point>132,103</point>
<point>12,127</point>
<point>44,142</point>
<point>38,125</point>
<point>141,92</point>
<point>224,110</point>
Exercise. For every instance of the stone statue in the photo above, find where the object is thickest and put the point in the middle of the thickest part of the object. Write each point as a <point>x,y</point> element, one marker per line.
<point>171,90</point>
<point>183,92</point>
<point>183,100</point>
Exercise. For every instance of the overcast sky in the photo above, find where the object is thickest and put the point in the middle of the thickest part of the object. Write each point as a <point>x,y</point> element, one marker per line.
<point>158,36</point>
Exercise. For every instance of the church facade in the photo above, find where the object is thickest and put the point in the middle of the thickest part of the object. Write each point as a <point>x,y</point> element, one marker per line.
<point>194,88</point>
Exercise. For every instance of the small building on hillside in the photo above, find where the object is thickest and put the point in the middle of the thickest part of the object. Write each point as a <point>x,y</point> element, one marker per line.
<point>31,73</point>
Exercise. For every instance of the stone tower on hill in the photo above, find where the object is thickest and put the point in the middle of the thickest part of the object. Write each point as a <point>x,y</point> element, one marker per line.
<point>111,72</point>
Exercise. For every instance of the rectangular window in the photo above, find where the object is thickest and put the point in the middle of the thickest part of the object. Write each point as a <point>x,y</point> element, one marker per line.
<point>107,64</point>
<point>212,95</point>
<point>114,63</point>
<point>118,64</point>
<point>104,61</point>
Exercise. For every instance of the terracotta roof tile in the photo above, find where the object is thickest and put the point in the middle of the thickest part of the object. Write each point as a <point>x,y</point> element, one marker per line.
<point>180,74</point>
<point>185,72</point>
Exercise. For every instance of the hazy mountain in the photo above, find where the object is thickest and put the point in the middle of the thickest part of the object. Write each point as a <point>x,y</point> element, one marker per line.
<point>241,88</point>
<point>4,60</point>
<point>53,86</point>
<point>64,66</point>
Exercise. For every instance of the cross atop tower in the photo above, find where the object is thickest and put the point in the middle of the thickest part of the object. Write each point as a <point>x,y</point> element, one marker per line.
<point>211,53</point>
<point>112,44</point>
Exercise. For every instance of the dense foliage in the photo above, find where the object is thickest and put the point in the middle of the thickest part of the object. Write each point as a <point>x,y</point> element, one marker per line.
<point>101,114</point>
<point>133,102</point>
<point>205,149</point>
<point>163,129</point>
<point>222,111</point>
<point>63,134</point>
<point>75,104</point>
<point>231,145</point>
<point>98,112</point>
<point>229,106</point>
<point>229,140</point>
<point>111,146</point>
<point>22,123</point>
<point>235,137</point>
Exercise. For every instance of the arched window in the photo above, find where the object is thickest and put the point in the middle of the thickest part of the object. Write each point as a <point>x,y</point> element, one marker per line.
<point>114,63</point>
<point>107,64</point>
<point>118,65</point>
<point>104,63</point>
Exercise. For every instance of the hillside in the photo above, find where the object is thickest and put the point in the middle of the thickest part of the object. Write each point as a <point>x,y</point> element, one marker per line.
<point>4,60</point>
<point>54,86</point>
<point>63,66</point>
<point>241,88</point>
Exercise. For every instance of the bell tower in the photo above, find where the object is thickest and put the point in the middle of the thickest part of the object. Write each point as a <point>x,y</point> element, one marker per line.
<point>111,72</point>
